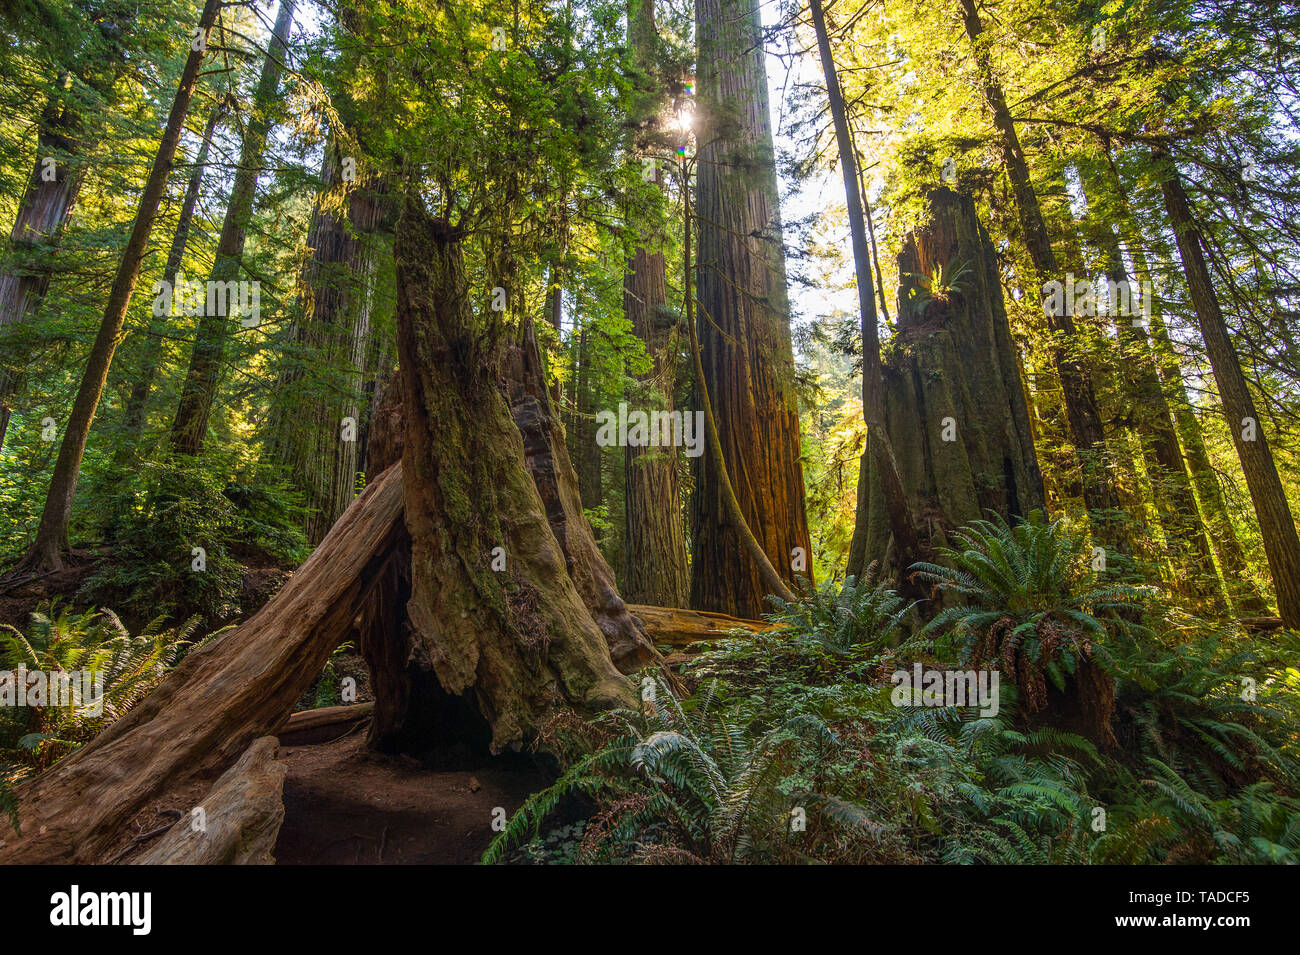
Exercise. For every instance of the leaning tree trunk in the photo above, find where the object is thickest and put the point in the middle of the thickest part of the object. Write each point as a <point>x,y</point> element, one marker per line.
<point>744,326</point>
<point>203,378</point>
<point>42,215</point>
<point>46,552</point>
<point>219,699</point>
<point>955,404</point>
<point>491,597</point>
<point>1276,526</point>
<point>319,406</point>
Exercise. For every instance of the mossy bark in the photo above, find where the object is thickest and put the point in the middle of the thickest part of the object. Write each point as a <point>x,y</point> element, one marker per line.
<point>556,481</point>
<point>954,401</point>
<point>491,597</point>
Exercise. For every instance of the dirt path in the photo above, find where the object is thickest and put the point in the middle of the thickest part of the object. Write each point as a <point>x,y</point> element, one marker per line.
<point>344,805</point>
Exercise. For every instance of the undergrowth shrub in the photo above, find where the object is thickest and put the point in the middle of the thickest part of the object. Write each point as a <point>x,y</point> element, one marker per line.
<point>1031,604</point>
<point>682,783</point>
<point>59,640</point>
<point>1207,718</point>
<point>169,510</point>
<point>843,616</point>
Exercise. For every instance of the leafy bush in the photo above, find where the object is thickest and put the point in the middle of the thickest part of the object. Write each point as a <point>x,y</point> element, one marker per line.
<point>681,783</point>
<point>840,617</point>
<point>167,511</point>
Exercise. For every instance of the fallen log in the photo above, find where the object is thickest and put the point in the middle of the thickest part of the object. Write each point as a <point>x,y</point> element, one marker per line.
<point>219,699</point>
<point>241,816</point>
<point>1261,623</point>
<point>326,716</point>
<point>678,627</point>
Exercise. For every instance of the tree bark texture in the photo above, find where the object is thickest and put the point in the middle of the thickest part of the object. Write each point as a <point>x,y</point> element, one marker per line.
<point>954,401</point>
<point>744,323</point>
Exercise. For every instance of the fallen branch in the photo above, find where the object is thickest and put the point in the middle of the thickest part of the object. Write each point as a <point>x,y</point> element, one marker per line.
<point>326,716</point>
<point>678,627</point>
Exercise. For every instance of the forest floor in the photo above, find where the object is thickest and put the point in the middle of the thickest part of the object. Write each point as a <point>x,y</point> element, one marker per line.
<point>344,804</point>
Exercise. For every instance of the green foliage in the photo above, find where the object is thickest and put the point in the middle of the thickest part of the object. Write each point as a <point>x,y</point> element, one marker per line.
<point>841,617</point>
<point>326,690</point>
<point>682,783</point>
<point>163,513</point>
<point>803,716</point>
<point>1031,603</point>
<point>941,285</point>
<point>59,640</point>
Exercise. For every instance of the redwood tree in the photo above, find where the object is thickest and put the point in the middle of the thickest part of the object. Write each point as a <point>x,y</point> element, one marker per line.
<point>1276,525</point>
<point>320,400</point>
<point>655,556</point>
<point>744,323</point>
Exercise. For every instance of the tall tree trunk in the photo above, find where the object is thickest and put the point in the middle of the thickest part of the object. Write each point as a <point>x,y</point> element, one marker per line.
<point>744,326</point>
<point>769,577</point>
<point>134,412</point>
<point>656,542</point>
<point>1276,526</point>
<point>42,216</point>
<point>582,436</point>
<point>1245,596</point>
<point>199,391</point>
<point>1234,570</point>
<point>1082,415</point>
<point>1176,508</point>
<point>317,417</point>
<point>656,570</point>
<point>879,455</point>
<point>47,549</point>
